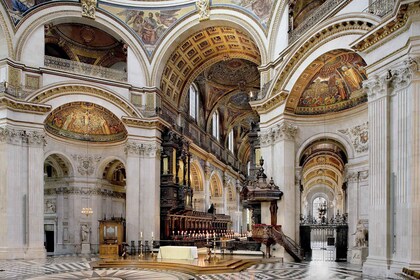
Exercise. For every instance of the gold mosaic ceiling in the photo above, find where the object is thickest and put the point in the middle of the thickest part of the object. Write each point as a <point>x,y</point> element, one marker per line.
<point>85,121</point>
<point>331,83</point>
<point>200,51</point>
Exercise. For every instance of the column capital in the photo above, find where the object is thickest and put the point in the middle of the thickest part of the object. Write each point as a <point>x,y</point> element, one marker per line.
<point>279,132</point>
<point>403,75</point>
<point>142,149</point>
<point>18,137</point>
<point>377,86</point>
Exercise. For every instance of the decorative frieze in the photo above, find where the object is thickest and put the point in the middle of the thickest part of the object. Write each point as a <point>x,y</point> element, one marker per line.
<point>86,163</point>
<point>359,137</point>
<point>19,137</point>
<point>83,191</point>
<point>142,149</point>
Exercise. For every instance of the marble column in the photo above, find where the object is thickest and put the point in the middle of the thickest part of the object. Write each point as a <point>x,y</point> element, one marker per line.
<point>143,192</point>
<point>378,91</point>
<point>133,176</point>
<point>278,148</point>
<point>35,141</point>
<point>21,193</point>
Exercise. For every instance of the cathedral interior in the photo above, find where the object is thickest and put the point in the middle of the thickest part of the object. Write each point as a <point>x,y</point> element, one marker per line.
<point>289,128</point>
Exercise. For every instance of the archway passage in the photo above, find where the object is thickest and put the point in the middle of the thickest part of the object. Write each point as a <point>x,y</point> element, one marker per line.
<point>324,228</point>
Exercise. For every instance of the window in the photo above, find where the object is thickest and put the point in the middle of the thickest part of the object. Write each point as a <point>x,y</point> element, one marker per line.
<point>230,141</point>
<point>215,125</point>
<point>193,101</point>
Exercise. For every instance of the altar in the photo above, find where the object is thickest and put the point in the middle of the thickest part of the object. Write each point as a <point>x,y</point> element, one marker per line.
<point>178,252</point>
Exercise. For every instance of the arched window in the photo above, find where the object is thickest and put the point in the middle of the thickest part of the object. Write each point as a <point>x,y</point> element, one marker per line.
<point>193,101</point>
<point>231,141</point>
<point>215,125</point>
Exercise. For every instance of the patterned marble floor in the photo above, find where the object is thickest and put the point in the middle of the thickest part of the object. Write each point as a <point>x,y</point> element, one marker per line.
<point>76,267</point>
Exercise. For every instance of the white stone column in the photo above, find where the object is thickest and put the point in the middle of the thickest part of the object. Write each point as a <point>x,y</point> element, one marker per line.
<point>133,177</point>
<point>21,193</point>
<point>352,178</point>
<point>378,111</point>
<point>35,141</point>
<point>278,150</point>
<point>405,159</point>
<point>150,190</point>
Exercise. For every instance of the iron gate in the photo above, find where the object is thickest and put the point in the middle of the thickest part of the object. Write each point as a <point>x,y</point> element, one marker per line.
<point>323,242</point>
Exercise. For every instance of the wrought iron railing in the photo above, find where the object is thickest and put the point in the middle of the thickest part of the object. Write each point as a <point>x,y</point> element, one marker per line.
<point>322,11</point>
<point>85,69</point>
<point>380,8</point>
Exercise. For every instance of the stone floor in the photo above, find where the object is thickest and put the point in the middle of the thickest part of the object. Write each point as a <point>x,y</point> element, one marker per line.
<point>77,267</point>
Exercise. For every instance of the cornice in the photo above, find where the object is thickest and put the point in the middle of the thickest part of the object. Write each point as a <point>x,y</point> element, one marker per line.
<point>153,123</point>
<point>21,106</point>
<point>389,28</point>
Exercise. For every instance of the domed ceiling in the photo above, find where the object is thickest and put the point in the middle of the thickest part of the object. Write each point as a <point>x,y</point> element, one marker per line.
<point>85,121</point>
<point>333,82</point>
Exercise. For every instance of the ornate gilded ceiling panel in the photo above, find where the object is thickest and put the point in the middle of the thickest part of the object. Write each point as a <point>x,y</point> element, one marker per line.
<point>333,82</point>
<point>86,122</point>
<point>199,52</point>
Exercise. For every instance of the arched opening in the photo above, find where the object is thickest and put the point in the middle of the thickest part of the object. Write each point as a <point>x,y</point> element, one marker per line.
<point>82,188</point>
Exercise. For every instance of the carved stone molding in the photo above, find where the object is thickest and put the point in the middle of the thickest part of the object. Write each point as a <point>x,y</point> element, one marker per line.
<point>86,163</point>
<point>19,137</point>
<point>88,8</point>
<point>142,149</point>
<point>83,191</point>
<point>352,177</point>
<point>402,76</point>
<point>359,137</point>
<point>207,171</point>
<point>356,176</point>
<point>282,131</point>
<point>377,87</point>
<point>203,7</point>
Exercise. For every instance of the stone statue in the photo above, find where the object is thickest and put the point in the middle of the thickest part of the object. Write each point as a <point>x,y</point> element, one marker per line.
<point>50,206</point>
<point>361,235</point>
<point>203,9</point>
<point>85,233</point>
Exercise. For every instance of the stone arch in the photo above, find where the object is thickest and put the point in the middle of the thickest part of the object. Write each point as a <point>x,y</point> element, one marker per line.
<point>59,94</point>
<point>6,45</point>
<point>107,165</point>
<point>216,188</point>
<point>51,12</point>
<point>338,32</point>
<point>219,17</point>
<point>322,136</point>
<point>197,177</point>
<point>60,162</point>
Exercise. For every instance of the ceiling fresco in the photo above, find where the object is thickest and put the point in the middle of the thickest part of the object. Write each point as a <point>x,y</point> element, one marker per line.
<point>85,121</point>
<point>262,9</point>
<point>333,82</point>
<point>150,25</point>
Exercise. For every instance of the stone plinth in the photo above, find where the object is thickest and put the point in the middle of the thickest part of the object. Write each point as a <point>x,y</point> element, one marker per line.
<point>85,248</point>
<point>359,255</point>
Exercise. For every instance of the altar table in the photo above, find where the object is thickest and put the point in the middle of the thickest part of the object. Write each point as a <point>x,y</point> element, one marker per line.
<point>178,252</point>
